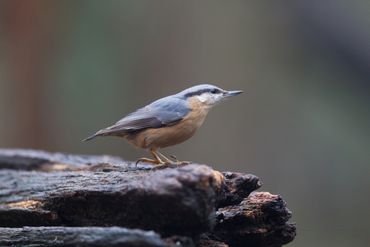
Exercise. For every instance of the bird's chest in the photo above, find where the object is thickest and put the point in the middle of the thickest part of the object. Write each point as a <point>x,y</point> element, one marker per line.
<point>194,119</point>
<point>175,134</point>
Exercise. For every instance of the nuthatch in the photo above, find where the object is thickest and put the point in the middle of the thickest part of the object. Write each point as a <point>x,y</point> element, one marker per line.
<point>167,121</point>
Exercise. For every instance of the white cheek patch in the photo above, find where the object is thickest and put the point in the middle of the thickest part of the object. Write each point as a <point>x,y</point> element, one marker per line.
<point>218,97</point>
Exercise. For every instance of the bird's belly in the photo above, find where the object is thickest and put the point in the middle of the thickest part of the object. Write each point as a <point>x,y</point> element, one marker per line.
<point>165,136</point>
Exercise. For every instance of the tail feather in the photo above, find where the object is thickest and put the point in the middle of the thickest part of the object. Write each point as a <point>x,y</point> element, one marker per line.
<point>105,132</point>
<point>90,137</point>
<point>99,133</point>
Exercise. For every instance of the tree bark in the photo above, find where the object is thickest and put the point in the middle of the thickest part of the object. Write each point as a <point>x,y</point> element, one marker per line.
<point>86,236</point>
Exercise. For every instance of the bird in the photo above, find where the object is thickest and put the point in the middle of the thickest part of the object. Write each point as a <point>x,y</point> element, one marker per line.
<point>167,121</point>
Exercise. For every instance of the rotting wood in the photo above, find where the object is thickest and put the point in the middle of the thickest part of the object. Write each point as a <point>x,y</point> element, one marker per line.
<point>44,189</point>
<point>259,220</point>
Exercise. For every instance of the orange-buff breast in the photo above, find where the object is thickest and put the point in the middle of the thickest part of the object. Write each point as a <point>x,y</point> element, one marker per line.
<point>155,138</point>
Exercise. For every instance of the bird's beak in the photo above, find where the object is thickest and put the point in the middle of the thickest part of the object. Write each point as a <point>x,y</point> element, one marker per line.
<point>232,93</point>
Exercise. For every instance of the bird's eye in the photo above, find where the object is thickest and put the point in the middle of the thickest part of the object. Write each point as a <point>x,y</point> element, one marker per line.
<point>214,91</point>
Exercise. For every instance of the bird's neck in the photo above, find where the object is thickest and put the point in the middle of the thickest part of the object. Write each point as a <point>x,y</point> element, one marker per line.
<point>199,110</point>
<point>196,105</point>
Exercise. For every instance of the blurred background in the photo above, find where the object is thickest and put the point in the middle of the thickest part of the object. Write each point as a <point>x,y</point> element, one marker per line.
<point>69,68</point>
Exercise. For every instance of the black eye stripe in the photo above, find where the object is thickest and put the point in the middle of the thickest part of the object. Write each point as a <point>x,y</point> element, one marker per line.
<point>199,92</point>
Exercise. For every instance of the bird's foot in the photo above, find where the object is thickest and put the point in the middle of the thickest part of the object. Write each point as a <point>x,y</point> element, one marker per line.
<point>173,160</point>
<point>173,164</point>
<point>176,163</point>
<point>163,166</point>
<point>160,161</point>
<point>152,161</point>
<point>170,165</point>
<point>181,163</point>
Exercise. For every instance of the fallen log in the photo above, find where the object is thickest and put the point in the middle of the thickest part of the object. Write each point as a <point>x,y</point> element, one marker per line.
<point>168,201</point>
<point>43,189</point>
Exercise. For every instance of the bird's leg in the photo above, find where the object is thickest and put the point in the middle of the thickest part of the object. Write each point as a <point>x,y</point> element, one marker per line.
<point>156,156</point>
<point>157,160</point>
<point>166,161</point>
<point>165,158</point>
<point>174,160</point>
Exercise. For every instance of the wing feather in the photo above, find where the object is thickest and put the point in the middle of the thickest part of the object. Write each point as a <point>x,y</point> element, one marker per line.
<point>163,112</point>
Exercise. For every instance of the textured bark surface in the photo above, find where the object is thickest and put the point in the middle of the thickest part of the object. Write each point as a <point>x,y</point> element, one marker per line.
<point>87,236</point>
<point>213,208</point>
<point>259,220</point>
<point>169,201</point>
<point>35,160</point>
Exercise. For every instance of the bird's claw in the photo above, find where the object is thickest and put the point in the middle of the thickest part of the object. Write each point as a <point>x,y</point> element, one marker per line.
<point>152,161</point>
<point>160,161</point>
<point>163,166</point>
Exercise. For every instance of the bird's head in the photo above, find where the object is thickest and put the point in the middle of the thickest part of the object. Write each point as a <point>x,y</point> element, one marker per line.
<point>207,95</point>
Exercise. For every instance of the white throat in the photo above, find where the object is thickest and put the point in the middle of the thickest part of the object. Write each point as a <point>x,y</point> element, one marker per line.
<point>209,99</point>
<point>203,98</point>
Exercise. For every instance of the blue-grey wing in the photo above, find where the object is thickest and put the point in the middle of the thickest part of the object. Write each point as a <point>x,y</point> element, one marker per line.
<point>163,112</point>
